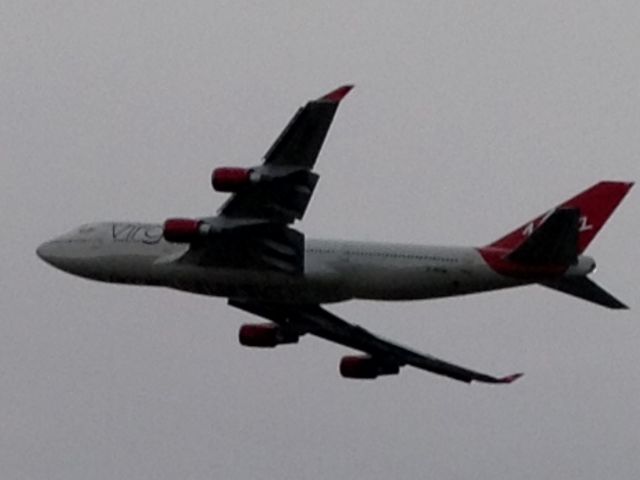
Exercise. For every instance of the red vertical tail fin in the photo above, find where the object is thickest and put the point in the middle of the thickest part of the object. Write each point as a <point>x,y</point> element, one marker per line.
<point>595,206</point>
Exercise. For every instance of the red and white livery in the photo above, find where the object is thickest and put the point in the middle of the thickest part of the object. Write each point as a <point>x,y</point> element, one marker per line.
<point>250,254</point>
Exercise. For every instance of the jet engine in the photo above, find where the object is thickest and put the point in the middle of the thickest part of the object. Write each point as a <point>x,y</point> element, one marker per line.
<point>182,230</point>
<point>265,335</point>
<point>366,367</point>
<point>232,179</point>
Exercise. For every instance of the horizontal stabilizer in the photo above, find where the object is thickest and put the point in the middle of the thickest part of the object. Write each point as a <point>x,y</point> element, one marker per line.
<point>555,242</point>
<point>586,289</point>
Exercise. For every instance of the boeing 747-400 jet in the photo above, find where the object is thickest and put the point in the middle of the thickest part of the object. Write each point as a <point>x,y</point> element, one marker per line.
<point>250,254</point>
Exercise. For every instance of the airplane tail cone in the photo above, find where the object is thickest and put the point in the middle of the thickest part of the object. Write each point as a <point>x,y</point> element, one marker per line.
<point>544,248</point>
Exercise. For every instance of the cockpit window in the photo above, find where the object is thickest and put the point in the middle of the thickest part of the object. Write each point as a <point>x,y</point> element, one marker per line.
<point>87,229</point>
<point>88,232</point>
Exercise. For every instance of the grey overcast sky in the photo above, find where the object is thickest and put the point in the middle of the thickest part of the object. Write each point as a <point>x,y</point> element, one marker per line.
<point>467,119</point>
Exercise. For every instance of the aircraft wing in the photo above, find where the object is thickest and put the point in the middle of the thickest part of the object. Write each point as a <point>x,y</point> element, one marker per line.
<point>289,182</point>
<point>252,227</point>
<point>384,356</point>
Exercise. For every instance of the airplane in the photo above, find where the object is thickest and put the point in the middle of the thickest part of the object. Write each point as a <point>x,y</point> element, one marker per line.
<point>250,254</point>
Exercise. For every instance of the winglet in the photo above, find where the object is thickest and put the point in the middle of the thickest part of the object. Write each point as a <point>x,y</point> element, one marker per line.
<point>510,378</point>
<point>336,95</point>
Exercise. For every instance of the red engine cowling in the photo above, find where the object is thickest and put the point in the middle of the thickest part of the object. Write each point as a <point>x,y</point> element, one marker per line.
<point>181,230</point>
<point>231,179</point>
<point>365,367</point>
<point>265,335</point>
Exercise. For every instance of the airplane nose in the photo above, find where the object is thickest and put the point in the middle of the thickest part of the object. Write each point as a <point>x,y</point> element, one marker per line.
<point>56,254</point>
<point>46,252</point>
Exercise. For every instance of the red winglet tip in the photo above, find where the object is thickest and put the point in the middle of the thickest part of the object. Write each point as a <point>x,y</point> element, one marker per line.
<point>336,95</point>
<point>511,378</point>
<point>624,185</point>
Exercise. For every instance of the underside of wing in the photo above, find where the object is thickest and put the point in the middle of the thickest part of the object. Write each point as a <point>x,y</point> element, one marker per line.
<point>250,246</point>
<point>381,356</point>
<point>251,230</point>
<point>300,142</point>
<point>282,196</point>
<point>280,189</point>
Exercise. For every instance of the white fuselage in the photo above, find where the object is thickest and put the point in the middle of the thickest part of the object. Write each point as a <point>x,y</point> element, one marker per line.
<point>136,253</point>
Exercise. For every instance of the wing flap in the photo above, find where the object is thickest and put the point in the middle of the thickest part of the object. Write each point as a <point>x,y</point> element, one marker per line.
<point>282,199</point>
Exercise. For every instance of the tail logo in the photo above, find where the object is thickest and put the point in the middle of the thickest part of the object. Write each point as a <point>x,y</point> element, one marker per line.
<point>583,224</point>
<point>533,224</point>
